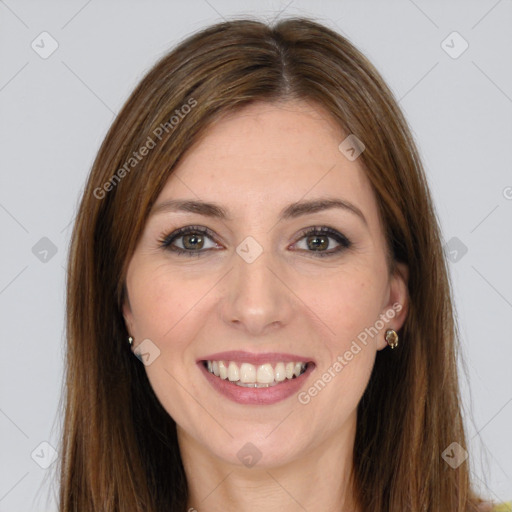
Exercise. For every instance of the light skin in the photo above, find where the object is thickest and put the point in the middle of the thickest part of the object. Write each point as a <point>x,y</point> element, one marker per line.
<point>254,163</point>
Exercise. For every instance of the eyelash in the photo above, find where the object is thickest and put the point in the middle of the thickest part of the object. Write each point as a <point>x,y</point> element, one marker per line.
<point>166,240</point>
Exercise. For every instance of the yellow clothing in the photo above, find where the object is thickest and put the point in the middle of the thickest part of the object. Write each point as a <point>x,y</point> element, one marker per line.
<point>503,507</point>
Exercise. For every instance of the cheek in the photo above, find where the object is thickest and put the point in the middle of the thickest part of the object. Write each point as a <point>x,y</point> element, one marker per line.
<point>346,304</point>
<point>167,311</point>
<point>162,303</point>
<point>348,310</point>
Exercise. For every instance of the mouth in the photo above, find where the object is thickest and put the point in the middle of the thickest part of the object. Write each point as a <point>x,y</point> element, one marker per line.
<point>256,379</point>
<point>256,376</point>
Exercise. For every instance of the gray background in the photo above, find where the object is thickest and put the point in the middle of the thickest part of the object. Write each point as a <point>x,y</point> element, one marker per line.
<point>56,110</point>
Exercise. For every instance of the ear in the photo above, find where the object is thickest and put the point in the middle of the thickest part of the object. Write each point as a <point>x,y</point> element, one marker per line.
<point>396,309</point>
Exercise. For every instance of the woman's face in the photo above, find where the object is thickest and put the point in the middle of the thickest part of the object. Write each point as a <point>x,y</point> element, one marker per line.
<point>256,283</point>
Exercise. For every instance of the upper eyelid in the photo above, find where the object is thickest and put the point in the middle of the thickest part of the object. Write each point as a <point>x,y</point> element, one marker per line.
<point>182,231</point>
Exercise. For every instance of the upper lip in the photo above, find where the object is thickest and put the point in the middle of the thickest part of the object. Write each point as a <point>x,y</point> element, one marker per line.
<point>240,356</point>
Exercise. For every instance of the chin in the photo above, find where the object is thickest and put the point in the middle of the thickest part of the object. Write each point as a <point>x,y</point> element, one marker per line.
<point>259,450</point>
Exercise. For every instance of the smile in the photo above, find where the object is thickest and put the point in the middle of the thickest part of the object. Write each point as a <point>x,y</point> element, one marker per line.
<point>255,376</point>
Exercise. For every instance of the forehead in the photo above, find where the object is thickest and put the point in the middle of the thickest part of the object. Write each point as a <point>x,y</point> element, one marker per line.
<point>267,155</point>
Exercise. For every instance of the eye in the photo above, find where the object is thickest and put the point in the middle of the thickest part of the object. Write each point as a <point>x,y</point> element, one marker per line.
<point>318,239</point>
<point>190,240</point>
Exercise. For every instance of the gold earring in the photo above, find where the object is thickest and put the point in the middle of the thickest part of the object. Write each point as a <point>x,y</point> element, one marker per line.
<point>130,340</point>
<point>391,338</point>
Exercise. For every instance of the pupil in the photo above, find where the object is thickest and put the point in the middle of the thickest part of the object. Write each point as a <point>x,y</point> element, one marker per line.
<point>193,239</point>
<point>324,242</point>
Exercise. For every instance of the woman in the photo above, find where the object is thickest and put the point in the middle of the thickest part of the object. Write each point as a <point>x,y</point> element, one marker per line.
<point>258,231</point>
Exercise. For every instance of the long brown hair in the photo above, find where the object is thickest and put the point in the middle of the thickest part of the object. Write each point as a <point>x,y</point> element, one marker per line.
<point>119,447</point>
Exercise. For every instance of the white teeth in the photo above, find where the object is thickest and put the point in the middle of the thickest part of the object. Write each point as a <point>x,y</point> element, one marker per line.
<point>279,372</point>
<point>223,370</point>
<point>249,375</point>
<point>265,374</point>
<point>233,372</point>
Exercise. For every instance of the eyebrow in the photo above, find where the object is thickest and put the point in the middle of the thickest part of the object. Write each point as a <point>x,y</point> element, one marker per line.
<point>291,211</point>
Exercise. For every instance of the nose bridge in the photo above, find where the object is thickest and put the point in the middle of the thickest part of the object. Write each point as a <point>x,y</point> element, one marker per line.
<point>256,298</point>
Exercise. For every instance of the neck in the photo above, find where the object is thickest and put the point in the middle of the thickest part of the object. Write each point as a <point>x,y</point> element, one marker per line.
<point>317,480</point>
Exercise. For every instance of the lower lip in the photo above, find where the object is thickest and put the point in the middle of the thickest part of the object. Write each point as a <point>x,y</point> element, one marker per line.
<point>257,396</point>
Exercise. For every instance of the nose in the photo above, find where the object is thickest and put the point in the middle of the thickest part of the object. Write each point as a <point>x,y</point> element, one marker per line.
<point>257,298</point>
